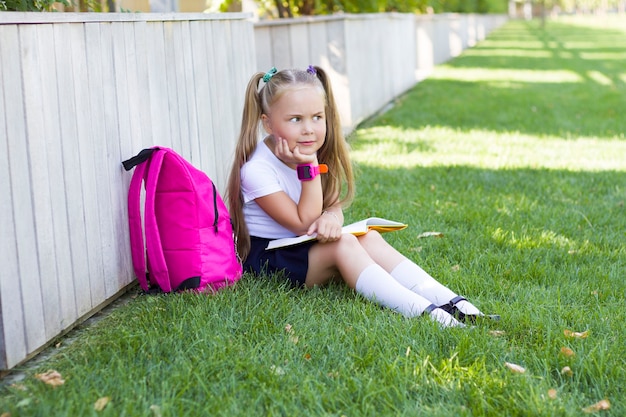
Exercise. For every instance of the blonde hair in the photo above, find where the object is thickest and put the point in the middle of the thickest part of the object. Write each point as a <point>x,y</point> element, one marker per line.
<point>337,185</point>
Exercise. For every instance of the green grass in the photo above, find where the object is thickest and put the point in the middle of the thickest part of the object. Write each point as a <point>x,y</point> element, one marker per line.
<point>515,151</point>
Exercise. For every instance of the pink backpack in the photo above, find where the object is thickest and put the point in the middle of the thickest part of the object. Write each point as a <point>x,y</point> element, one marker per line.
<point>188,233</point>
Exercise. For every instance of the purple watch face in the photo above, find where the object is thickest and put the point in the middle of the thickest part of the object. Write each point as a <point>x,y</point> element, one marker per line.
<point>304,172</point>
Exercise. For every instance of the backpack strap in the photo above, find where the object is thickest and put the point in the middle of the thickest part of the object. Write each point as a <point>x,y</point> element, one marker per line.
<point>148,167</point>
<point>137,247</point>
<point>141,157</point>
<point>158,267</point>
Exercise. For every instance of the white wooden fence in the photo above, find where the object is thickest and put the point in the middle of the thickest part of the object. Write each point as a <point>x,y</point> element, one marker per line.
<point>76,98</point>
<point>79,93</point>
<point>372,58</point>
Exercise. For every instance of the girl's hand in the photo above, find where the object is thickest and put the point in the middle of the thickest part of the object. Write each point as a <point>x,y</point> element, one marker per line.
<point>327,227</point>
<point>293,157</point>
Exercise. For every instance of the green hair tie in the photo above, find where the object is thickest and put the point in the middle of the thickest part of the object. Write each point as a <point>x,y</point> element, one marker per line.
<point>268,75</point>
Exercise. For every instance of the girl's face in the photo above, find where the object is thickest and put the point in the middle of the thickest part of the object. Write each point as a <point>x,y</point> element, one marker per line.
<point>298,117</point>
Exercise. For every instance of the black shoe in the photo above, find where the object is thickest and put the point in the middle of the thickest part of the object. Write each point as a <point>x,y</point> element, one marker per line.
<point>454,323</point>
<point>453,310</point>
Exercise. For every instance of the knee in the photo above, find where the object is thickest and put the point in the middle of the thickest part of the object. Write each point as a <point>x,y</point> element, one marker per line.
<point>372,239</point>
<point>348,244</point>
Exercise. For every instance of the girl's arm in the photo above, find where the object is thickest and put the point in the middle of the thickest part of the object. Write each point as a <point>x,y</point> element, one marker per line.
<point>297,217</point>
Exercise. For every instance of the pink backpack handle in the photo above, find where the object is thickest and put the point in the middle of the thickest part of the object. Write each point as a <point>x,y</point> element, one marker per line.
<point>147,171</point>
<point>153,238</point>
<point>137,246</point>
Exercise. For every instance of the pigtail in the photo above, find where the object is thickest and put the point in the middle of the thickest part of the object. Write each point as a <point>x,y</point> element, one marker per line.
<point>335,153</point>
<point>246,144</point>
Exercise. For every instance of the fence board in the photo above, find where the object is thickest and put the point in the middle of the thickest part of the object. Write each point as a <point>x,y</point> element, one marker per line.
<point>176,79</point>
<point>281,47</point>
<point>122,42</point>
<point>263,42</point>
<point>298,37</point>
<point>12,319</point>
<point>206,77</point>
<point>77,288</point>
<point>125,95</point>
<point>317,44</point>
<point>189,81</point>
<point>221,92</point>
<point>53,58</point>
<point>96,206</point>
<point>140,75</point>
<point>36,97</point>
<point>240,53</point>
<point>33,330</point>
<point>89,285</point>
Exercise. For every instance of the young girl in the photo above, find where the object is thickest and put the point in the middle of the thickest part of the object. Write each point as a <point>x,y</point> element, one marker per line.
<point>275,190</point>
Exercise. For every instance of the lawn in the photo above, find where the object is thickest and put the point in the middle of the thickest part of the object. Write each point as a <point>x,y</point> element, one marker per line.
<point>515,152</point>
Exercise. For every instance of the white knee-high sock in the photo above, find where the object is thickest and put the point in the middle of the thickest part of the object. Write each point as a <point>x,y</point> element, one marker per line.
<point>375,284</point>
<point>420,282</point>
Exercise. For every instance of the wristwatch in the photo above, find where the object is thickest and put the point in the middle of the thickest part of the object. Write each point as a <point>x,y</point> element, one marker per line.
<point>306,172</point>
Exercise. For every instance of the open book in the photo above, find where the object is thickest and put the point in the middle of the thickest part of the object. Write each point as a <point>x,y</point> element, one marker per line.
<point>357,229</point>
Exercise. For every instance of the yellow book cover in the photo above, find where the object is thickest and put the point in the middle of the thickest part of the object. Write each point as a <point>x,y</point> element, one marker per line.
<point>358,228</point>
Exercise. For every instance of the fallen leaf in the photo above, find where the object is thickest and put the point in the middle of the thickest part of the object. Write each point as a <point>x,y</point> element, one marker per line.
<point>156,410</point>
<point>5,415</point>
<point>599,406</point>
<point>277,370</point>
<point>567,371</point>
<point>565,351</point>
<point>552,393</point>
<point>294,339</point>
<point>497,332</point>
<point>101,403</point>
<point>51,377</point>
<point>288,328</point>
<point>24,403</point>
<point>456,268</point>
<point>429,234</point>
<point>515,368</point>
<point>576,335</point>
<point>307,356</point>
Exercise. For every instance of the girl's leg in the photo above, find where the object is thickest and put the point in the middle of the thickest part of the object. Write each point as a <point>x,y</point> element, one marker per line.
<point>411,275</point>
<point>348,258</point>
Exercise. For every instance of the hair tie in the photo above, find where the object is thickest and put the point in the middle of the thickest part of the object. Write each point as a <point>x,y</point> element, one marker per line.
<point>268,75</point>
<point>311,70</point>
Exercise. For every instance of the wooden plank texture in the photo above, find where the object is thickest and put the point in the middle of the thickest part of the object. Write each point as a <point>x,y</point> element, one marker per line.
<point>12,320</point>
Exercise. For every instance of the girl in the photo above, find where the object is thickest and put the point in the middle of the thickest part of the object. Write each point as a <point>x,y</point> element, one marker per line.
<point>275,190</point>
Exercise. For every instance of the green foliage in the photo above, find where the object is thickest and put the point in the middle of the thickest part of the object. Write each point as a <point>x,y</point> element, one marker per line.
<point>30,5</point>
<point>320,7</point>
<point>514,152</point>
<point>48,5</point>
<point>410,6</point>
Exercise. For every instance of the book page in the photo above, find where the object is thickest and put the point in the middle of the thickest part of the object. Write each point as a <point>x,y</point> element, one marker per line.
<point>358,228</point>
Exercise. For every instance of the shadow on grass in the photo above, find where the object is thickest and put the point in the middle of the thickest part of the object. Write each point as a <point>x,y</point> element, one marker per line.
<point>566,81</point>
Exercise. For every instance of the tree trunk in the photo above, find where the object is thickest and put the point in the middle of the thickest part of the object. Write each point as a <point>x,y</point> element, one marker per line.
<point>284,9</point>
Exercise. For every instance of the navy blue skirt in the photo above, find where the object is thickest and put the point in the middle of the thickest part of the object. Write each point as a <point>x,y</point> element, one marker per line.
<point>291,261</point>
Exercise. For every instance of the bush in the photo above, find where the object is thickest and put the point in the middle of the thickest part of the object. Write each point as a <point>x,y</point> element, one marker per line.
<point>29,5</point>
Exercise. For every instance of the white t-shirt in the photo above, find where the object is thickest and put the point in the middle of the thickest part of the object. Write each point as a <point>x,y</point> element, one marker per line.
<point>262,175</point>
